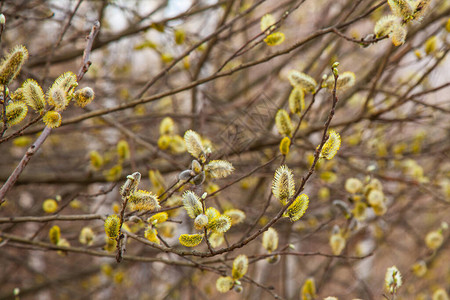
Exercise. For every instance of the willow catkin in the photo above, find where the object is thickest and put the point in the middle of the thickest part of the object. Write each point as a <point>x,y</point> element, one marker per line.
<point>12,64</point>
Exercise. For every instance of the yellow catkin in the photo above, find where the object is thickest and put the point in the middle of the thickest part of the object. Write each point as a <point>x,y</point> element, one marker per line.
<point>392,279</point>
<point>16,112</point>
<point>87,236</point>
<point>194,144</point>
<point>267,22</point>
<point>63,243</point>
<point>324,193</point>
<point>353,185</point>
<point>190,240</point>
<point>337,243</point>
<point>152,235</point>
<point>50,206</point>
<point>297,100</point>
<point>359,211</point>
<point>118,277</point>
<point>420,9</point>
<point>186,62</point>
<point>240,266</point>
<point>58,98</point>
<point>54,234</point>
<point>331,146</point>
<point>12,64</point>
<point>143,200</point>
<point>283,123</point>
<point>434,239</point>
<point>52,119</point>
<point>401,8</point>
<point>177,145</point>
<point>196,166</point>
<point>157,181</point>
<point>309,289</point>
<point>66,81</point>
<point>110,244</point>
<point>212,213</point>
<point>284,145</point>
<point>274,39</point>
<point>164,142</point>
<point>200,222</point>
<point>166,126</point>
<point>76,204</point>
<point>96,160</point>
<point>398,35</point>
<point>112,226</point>
<point>298,208</point>
<point>418,54</point>
<point>166,57</point>
<point>123,150</point>
<point>283,186</point>
<point>84,96</point>
<point>431,44</point>
<point>158,218</point>
<point>385,25</point>
<point>22,141</point>
<point>440,294</point>
<point>220,224</point>
<point>346,80</point>
<point>270,240</point>
<point>212,188</point>
<point>302,80</point>
<point>236,215</point>
<point>16,95</point>
<point>224,284</point>
<point>216,239</point>
<point>179,36</point>
<point>192,204</point>
<point>380,209</point>
<point>419,268</point>
<point>106,269</point>
<point>219,168</point>
<point>33,95</point>
<point>328,176</point>
<point>375,197</point>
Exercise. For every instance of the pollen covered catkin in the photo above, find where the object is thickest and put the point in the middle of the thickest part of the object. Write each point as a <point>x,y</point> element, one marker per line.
<point>12,64</point>
<point>112,226</point>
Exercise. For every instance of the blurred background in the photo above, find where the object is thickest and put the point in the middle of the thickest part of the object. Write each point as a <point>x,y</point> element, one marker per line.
<point>206,65</point>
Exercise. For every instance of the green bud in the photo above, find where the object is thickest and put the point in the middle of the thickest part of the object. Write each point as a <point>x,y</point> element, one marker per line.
<point>335,72</point>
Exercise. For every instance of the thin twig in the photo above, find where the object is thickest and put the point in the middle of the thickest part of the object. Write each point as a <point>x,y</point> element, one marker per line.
<point>87,51</point>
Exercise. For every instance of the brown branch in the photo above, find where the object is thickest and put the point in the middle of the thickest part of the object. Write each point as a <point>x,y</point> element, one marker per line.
<point>44,219</point>
<point>363,41</point>
<point>48,246</point>
<point>21,130</point>
<point>87,51</point>
<point>23,163</point>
